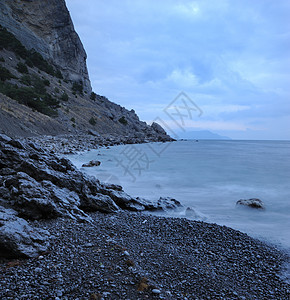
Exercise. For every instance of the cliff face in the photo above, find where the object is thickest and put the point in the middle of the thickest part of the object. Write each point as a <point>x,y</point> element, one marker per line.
<point>46,26</point>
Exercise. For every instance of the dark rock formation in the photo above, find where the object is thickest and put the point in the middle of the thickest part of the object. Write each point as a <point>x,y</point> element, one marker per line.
<point>253,203</point>
<point>38,185</point>
<point>92,163</point>
<point>46,26</point>
<point>18,238</point>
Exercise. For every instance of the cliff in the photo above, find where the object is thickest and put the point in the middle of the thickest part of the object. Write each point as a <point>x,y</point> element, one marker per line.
<point>46,26</point>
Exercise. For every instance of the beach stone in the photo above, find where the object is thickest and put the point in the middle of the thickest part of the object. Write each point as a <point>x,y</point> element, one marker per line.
<point>252,202</point>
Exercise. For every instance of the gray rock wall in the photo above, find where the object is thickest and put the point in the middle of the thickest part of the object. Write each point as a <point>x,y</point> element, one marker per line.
<point>46,26</point>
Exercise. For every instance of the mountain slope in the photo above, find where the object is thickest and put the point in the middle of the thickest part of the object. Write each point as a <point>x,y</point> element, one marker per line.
<point>44,84</point>
<point>202,134</point>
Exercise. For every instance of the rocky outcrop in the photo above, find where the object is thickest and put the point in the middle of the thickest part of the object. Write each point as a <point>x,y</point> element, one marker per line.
<point>46,26</point>
<point>158,129</point>
<point>253,203</point>
<point>39,185</point>
<point>18,238</point>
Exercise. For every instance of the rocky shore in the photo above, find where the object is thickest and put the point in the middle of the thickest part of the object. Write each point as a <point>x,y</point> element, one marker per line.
<point>136,256</point>
<point>65,235</point>
<point>69,144</point>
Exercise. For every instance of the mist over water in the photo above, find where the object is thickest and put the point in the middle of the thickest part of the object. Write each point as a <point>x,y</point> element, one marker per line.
<point>209,176</point>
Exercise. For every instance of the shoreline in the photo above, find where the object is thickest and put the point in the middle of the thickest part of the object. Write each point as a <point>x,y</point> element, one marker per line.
<point>197,215</point>
<point>71,144</point>
<point>145,257</point>
<point>86,143</point>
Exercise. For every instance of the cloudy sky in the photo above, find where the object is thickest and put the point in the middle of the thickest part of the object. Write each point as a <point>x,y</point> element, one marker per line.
<point>229,59</point>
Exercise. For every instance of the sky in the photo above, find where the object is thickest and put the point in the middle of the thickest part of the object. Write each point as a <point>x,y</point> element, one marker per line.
<point>218,65</point>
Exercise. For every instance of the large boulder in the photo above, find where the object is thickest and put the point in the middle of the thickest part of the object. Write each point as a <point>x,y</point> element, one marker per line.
<point>18,238</point>
<point>252,202</point>
<point>41,185</point>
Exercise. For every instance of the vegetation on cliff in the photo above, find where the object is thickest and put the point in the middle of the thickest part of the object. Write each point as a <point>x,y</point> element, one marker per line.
<point>29,89</point>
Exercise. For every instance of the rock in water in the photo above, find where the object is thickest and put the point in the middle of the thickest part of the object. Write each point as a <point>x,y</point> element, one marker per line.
<point>253,202</point>
<point>18,238</point>
<point>92,163</point>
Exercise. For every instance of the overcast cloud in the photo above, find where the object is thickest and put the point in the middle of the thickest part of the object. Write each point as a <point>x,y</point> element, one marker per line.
<point>230,57</point>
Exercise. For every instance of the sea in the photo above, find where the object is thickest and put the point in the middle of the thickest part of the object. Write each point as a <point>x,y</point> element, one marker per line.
<point>209,176</point>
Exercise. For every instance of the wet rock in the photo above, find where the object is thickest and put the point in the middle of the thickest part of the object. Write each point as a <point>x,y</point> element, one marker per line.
<point>253,203</point>
<point>165,203</point>
<point>18,238</point>
<point>191,213</point>
<point>92,163</point>
<point>99,202</point>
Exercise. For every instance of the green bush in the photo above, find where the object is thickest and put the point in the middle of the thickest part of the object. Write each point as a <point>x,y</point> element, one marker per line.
<point>10,42</point>
<point>39,85</point>
<point>39,62</point>
<point>92,121</point>
<point>77,87</point>
<point>123,120</point>
<point>2,59</point>
<point>5,74</point>
<point>21,67</point>
<point>46,82</point>
<point>73,119</point>
<point>31,97</point>
<point>26,79</point>
<point>29,63</point>
<point>36,82</point>
<point>93,96</point>
<point>58,74</point>
<point>64,97</point>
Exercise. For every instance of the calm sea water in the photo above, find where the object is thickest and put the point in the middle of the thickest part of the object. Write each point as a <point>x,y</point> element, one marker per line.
<point>209,176</point>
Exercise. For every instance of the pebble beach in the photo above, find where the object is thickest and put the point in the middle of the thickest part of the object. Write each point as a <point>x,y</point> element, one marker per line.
<point>139,256</point>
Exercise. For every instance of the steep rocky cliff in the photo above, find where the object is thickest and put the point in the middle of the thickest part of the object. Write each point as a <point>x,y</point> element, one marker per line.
<point>46,26</point>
